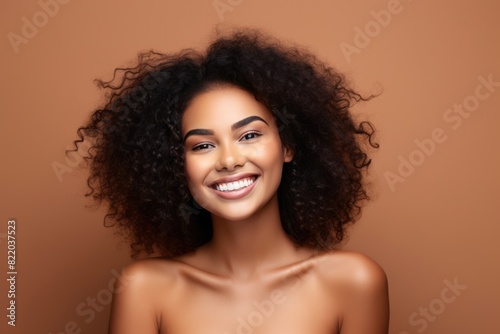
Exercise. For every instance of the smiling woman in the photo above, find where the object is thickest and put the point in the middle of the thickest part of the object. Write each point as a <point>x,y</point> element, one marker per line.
<point>237,171</point>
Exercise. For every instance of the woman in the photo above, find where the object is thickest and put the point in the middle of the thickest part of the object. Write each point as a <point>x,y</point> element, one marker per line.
<point>239,169</point>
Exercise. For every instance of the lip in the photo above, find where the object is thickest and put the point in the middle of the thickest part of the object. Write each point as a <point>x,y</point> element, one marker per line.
<point>234,194</point>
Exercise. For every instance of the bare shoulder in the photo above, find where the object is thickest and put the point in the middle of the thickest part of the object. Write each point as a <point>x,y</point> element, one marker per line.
<point>149,271</point>
<point>146,280</point>
<point>138,294</point>
<point>359,284</point>
<point>352,269</point>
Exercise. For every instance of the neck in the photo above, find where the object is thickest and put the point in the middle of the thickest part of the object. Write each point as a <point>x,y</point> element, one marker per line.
<point>247,248</point>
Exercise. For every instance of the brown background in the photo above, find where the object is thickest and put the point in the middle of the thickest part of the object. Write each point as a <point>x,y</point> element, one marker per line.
<point>440,224</point>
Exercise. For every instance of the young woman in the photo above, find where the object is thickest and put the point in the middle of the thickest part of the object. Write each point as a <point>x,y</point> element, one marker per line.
<point>237,171</point>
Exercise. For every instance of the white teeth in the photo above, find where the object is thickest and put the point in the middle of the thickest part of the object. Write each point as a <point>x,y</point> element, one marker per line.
<point>236,185</point>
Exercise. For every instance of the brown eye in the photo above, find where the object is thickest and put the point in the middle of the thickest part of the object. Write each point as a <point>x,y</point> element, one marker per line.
<point>201,147</point>
<point>250,135</point>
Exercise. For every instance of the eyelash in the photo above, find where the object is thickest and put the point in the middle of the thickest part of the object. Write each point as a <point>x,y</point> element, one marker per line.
<point>251,133</point>
<point>206,146</point>
<point>200,147</point>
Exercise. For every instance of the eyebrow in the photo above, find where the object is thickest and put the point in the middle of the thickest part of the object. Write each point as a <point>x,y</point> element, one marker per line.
<point>237,125</point>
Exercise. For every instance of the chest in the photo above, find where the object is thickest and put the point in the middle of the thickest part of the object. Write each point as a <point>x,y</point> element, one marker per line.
<point>295,305</point>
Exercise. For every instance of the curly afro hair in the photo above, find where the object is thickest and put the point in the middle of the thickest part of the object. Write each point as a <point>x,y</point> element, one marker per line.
<point>136,155</point>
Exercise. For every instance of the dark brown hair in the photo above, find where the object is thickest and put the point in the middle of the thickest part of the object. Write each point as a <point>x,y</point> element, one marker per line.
<point>137,154</point>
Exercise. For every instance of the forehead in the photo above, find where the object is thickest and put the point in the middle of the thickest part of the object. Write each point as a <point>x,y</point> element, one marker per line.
<point>222,107</point>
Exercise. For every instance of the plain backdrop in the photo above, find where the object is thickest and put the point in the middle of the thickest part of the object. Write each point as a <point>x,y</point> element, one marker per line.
<point>433,223</point>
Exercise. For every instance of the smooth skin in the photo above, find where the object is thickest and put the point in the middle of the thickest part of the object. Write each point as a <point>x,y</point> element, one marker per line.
<point>249,278</point>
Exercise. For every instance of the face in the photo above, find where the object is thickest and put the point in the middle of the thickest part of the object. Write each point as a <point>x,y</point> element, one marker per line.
<point>234,156</point>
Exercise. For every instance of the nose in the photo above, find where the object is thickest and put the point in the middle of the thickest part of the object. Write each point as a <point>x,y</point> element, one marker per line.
<point>230,157</point>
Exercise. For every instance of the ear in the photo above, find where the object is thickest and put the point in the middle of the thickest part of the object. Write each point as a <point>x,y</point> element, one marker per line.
<point>287,154</point>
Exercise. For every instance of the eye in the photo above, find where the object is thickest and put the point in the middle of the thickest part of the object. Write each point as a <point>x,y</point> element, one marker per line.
<point>201,147</point>
<point>250,135</point>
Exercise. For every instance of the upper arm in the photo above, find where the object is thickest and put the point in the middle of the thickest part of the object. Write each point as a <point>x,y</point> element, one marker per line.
<point>133,306</point>
<point>367,300</point>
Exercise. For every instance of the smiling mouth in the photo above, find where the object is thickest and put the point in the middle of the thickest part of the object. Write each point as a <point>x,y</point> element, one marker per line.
<point>235,185</point>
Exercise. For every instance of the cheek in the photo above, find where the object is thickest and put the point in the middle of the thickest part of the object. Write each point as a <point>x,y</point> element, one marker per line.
<point>270,154</point>
<point>191,171</point>
<point>196,170</point>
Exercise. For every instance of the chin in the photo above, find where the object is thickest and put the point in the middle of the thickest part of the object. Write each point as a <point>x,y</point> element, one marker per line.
<point>233,215</point>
